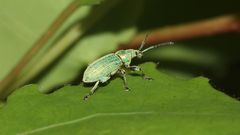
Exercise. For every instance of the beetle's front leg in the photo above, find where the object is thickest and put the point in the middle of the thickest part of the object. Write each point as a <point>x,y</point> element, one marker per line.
<point>137,68</point>
<point>122,72</point>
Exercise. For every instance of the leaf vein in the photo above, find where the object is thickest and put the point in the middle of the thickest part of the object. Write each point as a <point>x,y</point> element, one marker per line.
<point>82,119</point>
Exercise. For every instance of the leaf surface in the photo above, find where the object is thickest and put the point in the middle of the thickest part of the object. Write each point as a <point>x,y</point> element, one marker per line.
<point>166,105</point>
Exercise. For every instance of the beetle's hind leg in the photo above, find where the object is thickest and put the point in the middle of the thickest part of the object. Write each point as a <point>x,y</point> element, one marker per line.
<point>91,91</point>
<point>137,68</point>
<point>122,72</point>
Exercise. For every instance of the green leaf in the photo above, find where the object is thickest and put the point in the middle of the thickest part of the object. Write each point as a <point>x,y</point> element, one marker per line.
<point>185,62</point>
<point>166,105</point>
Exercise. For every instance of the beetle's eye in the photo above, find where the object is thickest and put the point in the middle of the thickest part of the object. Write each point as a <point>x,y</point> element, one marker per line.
<point>139,54</point>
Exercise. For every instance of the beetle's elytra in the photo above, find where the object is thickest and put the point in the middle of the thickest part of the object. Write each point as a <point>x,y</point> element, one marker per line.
<point>103,68</point>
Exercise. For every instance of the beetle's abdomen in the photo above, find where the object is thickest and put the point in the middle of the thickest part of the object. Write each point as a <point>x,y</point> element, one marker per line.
<point>102,67</point>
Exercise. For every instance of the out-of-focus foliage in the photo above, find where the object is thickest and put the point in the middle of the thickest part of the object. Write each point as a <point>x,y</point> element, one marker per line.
<point>105,35</point>
<point>102,38</point>
<point>216,57</point>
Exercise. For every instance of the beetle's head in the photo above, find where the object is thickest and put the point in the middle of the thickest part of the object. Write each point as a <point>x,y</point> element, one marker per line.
<point>127,55</point>
<point>138,54</point>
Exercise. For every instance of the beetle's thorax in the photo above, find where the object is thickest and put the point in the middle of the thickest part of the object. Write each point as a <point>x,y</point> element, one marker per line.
<point>127,55</point>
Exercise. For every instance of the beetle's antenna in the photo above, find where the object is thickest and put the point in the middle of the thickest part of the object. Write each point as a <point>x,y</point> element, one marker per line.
<point>143,42</point>
<point>156,46</point>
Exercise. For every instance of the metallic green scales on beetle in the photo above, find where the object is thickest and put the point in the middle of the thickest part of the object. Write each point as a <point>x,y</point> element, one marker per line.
<point>102,69</point>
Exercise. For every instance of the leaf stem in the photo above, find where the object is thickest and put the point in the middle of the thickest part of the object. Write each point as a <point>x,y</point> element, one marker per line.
<point>36,47</point>
<point>52,54</point>
<point>209,27</point>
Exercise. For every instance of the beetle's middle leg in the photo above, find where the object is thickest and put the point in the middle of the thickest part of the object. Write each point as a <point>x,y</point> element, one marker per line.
<point>122,72</point>
<point>137,68</point>
<point>91,91</point>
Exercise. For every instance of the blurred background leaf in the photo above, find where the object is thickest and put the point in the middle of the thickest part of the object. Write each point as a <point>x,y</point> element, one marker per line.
<point>21,26</point>
<point>166,105</point>
<point>76,57</point>
<point>104,37</point>
<point>214,57</point>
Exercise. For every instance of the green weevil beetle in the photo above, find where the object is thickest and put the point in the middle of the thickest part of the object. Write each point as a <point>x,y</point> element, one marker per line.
<point>103,68</point>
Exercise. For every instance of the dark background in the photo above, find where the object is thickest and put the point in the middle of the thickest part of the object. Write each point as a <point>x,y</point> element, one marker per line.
<point>224,71</point>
